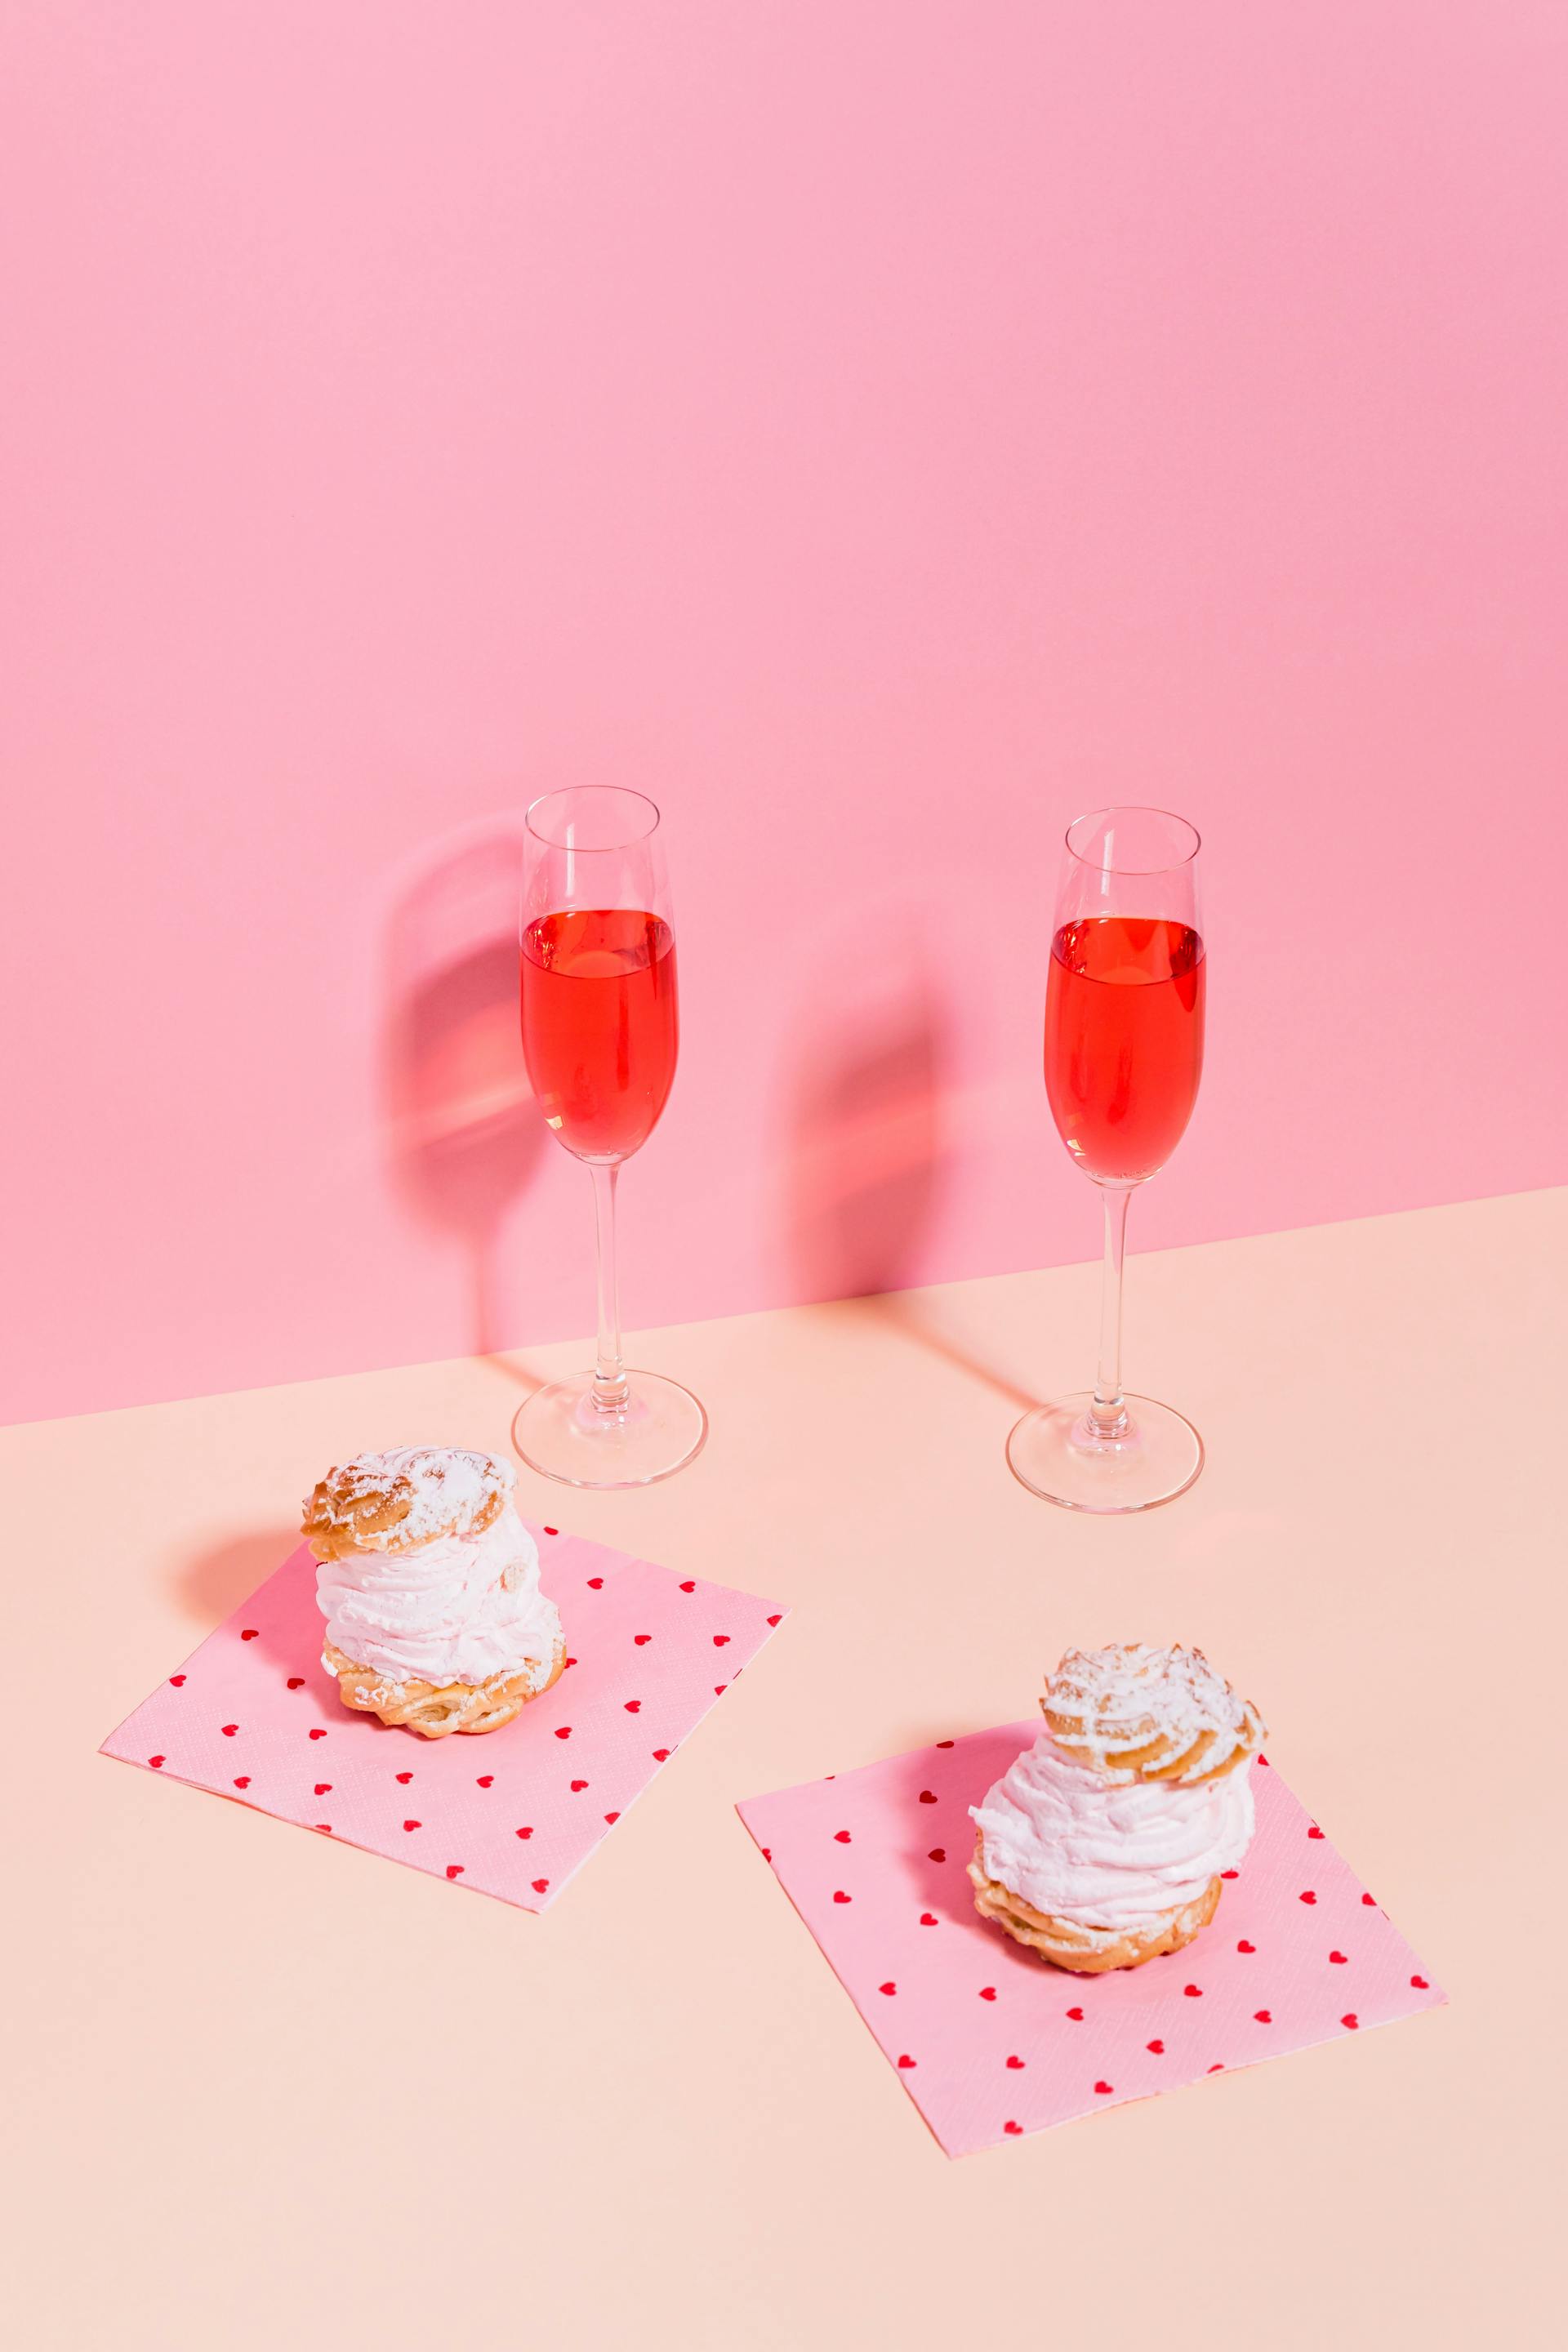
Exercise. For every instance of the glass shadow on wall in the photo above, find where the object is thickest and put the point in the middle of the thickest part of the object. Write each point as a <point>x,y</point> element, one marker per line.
<point>866,1123</point>
<point>872,1108</point>
<point>463,1136</point>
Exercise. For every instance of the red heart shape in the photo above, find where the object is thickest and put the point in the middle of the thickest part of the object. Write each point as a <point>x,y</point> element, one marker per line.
<point>577,1786</point>
<point>1194,1993</point>
<point>928,1918</point>
<point>1014,2062</point>
<point>485,1781</point>
<point>690,1585</point>
<point>1264,2016</point>
<point>1314,1830</point>
<point>841,1837</point>
<point>1012,2128</point>
<point>1104,2089</point>
<point>404,1778</point>
<point>1264,1761</point>
<point>1420,1984</point>
<point>720,1689</point>
<point>1219,2066</point>
<point>453,1870</point>
<point>177,1680</point>
<point>413,1825</point>
<point>944,1743</point>
<point>1245,1947</point>
<point>1309,1896</point>
<point>839,1895</point>
<point>661,1755</point>
<point>318,1733</point>
<point>248,1634</point>
<point>1370,1899</point>
<point>777,1621</point>
<point>633,1707</point>
<point>1076,2015</point>
<point>525,1834</point>
<point>563,1731</point>
<point>987,1992</point>
<point>720,1640</point>
<point>1351,2020</point>
<point>538,1885</point>
<point>296,1682</point>
<point>324,1788</point>
<point>596,1584</point>
<point>640,1638</point>
<point>767,1853</point>
<point>906,2062</point>
<point>1338,1959</point>
<point>937,1853</point>
<point>612,1817</point>
<point>325,1828</point>
<point>229,1730</point>
<point>889,1987</point>
<point>927,1797</point>
<point>1157,2047</point>
<point>1230,1874</point>
<point>571,1662</point>
<point>243,1781</point>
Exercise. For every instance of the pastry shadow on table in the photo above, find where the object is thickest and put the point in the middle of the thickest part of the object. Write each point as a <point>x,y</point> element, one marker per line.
<point>944,1886</point>
<point>870,1109</point>
<point>462,1136</point>
<point>212,1585</point>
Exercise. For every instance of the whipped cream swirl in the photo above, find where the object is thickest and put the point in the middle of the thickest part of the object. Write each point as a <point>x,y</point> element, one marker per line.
<point>1109,1855</point>
<point>458,1609</point>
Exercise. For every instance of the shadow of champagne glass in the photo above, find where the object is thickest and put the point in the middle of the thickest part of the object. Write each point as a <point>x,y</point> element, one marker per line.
<point>463,1136</point>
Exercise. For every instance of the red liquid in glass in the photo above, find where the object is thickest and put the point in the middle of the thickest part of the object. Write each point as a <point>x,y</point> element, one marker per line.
<point>1124,1041</point>
<point>599,1028</point>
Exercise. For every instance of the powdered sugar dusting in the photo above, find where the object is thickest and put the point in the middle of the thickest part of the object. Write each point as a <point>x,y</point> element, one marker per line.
<point>1131,1711</point>
<point>449,1488</point>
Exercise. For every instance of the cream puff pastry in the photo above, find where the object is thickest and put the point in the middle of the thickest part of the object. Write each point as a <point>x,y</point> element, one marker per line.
<point>1106,1843</point>
<point>429,1584</point>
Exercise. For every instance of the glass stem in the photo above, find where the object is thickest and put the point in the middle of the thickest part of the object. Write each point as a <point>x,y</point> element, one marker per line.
<point>610,1386</point>
<point>1108,1413</point>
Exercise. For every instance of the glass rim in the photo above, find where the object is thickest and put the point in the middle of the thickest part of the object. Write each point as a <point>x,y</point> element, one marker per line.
<point>1133,808</point>
<point>622,792</point>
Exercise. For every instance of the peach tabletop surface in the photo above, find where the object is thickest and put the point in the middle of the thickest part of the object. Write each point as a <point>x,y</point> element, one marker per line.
<point>273,2091</point>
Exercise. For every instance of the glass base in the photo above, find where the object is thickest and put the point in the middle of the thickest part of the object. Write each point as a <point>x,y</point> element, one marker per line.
<point>561,1433</point>
<point>1055,1451</point>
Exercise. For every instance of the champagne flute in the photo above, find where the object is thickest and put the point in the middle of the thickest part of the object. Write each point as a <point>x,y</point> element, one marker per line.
<point>1125,1051</point>
<point>600,1033</point>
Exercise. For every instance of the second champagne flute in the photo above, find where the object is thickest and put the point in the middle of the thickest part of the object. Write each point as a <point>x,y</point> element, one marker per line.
<point>600,1032</point>
<point>1125,1051</point>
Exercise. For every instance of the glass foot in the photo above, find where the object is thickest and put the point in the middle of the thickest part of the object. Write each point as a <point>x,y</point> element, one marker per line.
<point>561,1433</point>
<point>1053,1452</point>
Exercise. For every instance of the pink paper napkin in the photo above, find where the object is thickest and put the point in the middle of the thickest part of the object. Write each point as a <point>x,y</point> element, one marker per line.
<point>991,2042</point>
<point>253,1715</point>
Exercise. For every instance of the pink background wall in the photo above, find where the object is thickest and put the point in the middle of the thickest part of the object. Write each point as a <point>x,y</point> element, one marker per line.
<point>878,430</point>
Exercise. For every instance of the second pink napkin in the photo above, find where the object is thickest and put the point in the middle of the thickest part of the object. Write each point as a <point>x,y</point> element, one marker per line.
<point>990,2041</point>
